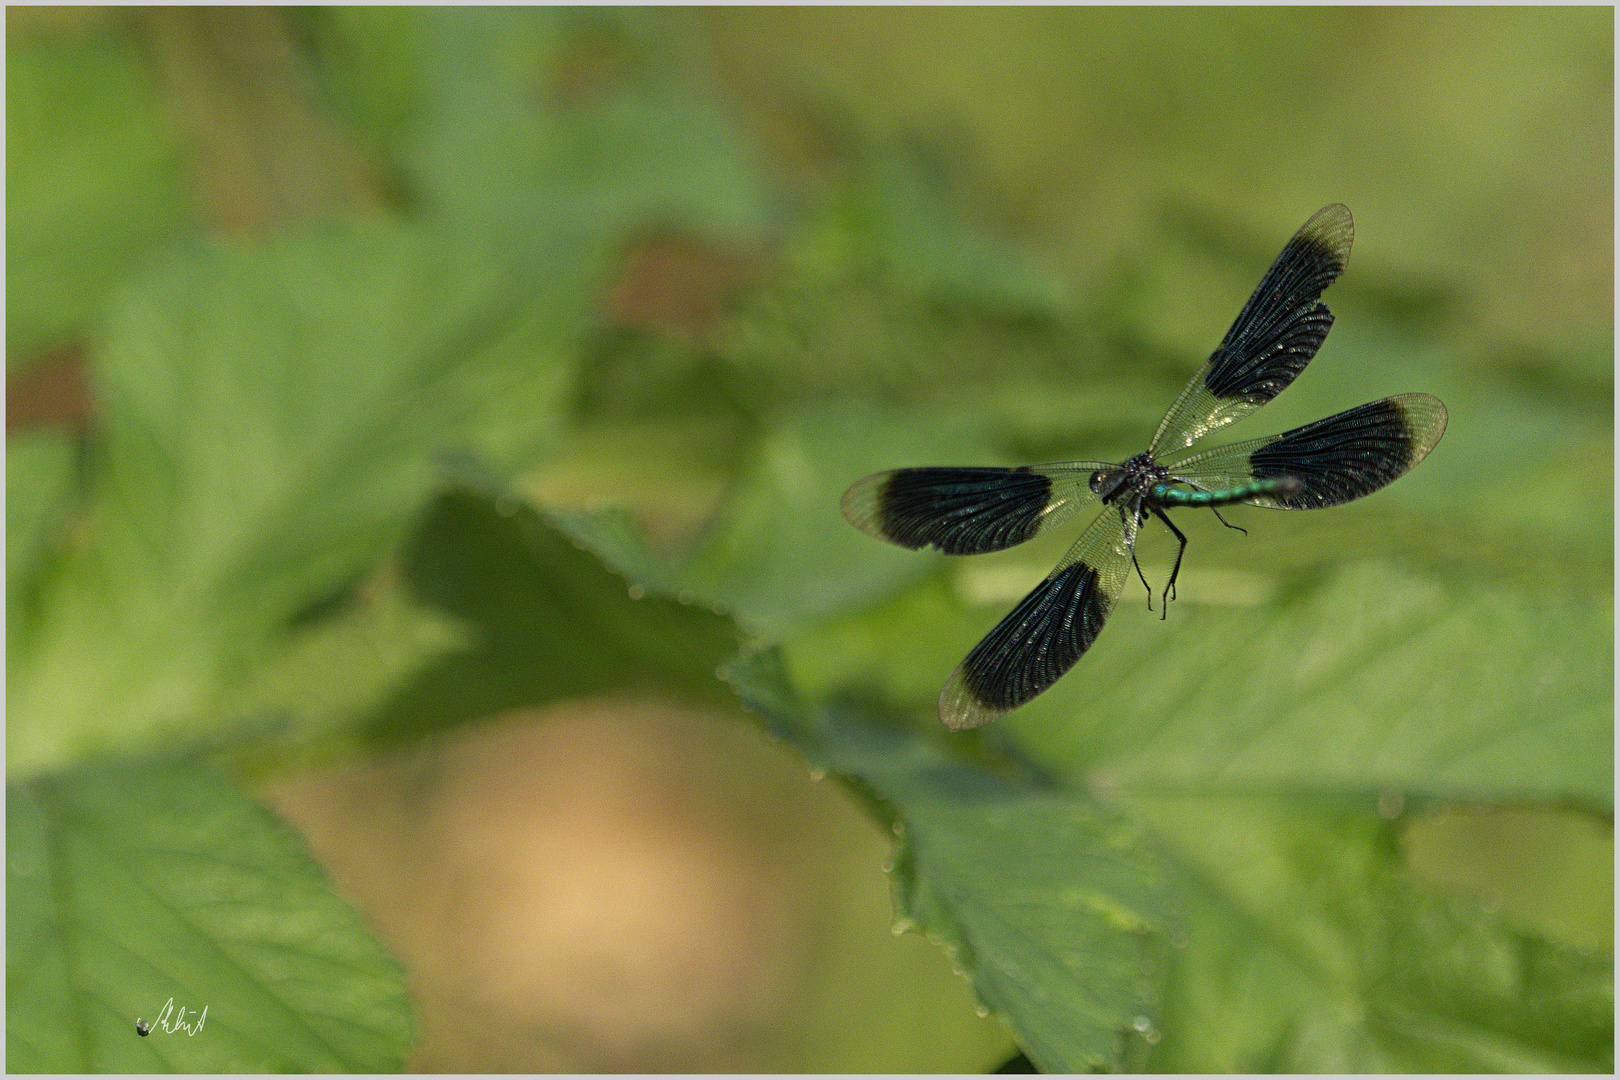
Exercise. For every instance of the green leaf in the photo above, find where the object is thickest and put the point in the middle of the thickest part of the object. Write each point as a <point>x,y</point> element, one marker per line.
<point>93,182</point>
<point>1048,900</point>
<point>127,888</point>
<point>845,332</point>
<point>1052,904</point>
<point>1549,870</point>
<point>1368,679</point>
<point>309,696</point>
<point>1298,943</point>
<point>780,553</point>
<point>507,147</point>
<point>369,60</point>
<point>543,618</point>
<point>1305,950</point>
<point>40,477</point>
<point>894,215</point>
<point>1397,649</point>
<point>1364,675</point>
<point>275,416</point>
<point>1516,464</point>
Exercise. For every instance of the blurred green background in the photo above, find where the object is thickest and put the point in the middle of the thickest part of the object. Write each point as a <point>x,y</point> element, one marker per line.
<point>278,279</point>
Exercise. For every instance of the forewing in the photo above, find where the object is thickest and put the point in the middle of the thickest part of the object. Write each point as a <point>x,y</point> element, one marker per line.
<point>1337,459</point>
<point>1047,632</point>
<point>968,511</point>
<point>1274,337</point>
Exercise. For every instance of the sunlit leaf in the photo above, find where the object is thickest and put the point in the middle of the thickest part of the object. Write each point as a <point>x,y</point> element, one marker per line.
<point>274,417</point>
<point>1371,679</point>
<point>40,475</point>
<point>542,123</point>
<point>1306,951</point>
<point>1052,904</point>
<point>132,887</point>
<point>93,182</point>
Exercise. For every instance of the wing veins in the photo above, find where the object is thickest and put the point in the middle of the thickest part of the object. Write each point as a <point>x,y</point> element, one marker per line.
<point>1338,459</point>
<point>968,510</point>
<point>1274,337</point>
<point>1048,631</point>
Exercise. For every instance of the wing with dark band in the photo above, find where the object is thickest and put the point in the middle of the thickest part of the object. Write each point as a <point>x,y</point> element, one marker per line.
<point>1047,632</point>
<point>1343,457</point>
<point>968,511</point>
<point>1274,337</point>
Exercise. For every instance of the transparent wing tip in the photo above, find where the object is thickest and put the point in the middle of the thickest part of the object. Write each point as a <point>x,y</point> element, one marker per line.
<point>862,504</point>
<point>959,710</point>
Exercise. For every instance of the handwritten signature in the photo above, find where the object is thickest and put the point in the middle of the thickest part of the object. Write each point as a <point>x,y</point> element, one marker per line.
<point>169,1021</point>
